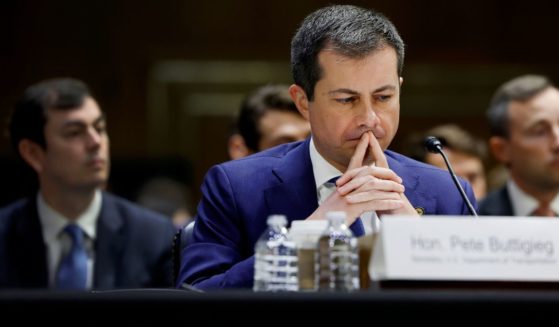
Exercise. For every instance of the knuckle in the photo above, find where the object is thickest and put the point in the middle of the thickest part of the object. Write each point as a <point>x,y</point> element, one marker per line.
<point>373,181</point>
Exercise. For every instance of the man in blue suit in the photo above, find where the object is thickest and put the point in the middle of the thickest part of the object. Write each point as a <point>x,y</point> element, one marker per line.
<point>346,63</point>
<point>71,234</point>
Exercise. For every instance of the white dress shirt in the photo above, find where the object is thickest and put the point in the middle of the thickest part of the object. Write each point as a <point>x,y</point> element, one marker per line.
<point>323,171</point>
<point>59,243</point>
<point>524,204</point>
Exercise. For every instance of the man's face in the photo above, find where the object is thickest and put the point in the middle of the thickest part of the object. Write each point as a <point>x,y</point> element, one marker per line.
<point>278,127</point>
<point>465,165</point>
<point>77,151</point>
<point>532,150</point>
<point>352,97</point>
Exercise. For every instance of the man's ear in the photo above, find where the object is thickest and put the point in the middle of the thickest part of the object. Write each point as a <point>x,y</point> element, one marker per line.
<point>236,147</point>
<point>32,153</point>
<point>299,97</point>
<point>500,148</point>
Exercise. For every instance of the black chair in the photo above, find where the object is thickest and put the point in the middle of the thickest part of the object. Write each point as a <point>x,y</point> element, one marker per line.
<point>182,238</point>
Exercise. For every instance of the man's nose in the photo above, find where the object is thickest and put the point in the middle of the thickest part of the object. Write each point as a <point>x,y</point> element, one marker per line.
<point>94,138</point>
<point>367,115</point>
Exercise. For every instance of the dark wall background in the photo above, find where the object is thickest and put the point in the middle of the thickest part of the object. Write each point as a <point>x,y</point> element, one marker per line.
<point>457,54</point>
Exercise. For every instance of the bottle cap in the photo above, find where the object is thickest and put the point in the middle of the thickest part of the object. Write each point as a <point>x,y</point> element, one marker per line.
<point>309,226</point>
<point>277,220</point>
<point>336,216</point>
<point>306,232</point>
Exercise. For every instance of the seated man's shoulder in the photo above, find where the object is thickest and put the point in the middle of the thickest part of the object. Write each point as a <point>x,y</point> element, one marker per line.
<point>425,174</point>
<point>419,166</point>
<point>14,206</point>
<point>14,209</point>
<point>271,154</point>
<point>261,161</point>
<point>15,215</point>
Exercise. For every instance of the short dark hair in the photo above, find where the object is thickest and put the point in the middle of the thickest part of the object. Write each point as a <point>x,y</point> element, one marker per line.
<point>352,31</point>
<point>451,136</point>
<point>520,89</point>
<point>29,116</point>
<point>256,105</point>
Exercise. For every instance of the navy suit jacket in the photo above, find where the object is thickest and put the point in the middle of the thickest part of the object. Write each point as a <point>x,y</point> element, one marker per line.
<point>496,203</point>
<point>132,247</point>
<point>239,195</point>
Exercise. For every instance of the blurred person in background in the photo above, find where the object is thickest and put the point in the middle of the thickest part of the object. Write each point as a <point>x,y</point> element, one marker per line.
<point>467,154</point>
<point>268,117</point>
<point>168,197</point>
<point>524,120</point>
<point>70,234</point>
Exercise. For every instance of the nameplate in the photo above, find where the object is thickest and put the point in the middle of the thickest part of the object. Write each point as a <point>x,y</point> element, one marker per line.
<point>448,248</point>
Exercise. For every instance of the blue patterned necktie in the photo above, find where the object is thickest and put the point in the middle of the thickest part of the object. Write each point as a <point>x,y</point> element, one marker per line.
<point>357,227</point>
<point>72,271</point>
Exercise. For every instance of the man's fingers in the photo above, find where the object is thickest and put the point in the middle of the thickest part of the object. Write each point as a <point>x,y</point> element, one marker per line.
<point>382,205</point>
<point>350,174</point>
<point>356,160</point>
<point>376,151</point>
<point>364,183</point>
<point>373,196</point>
<point>346,183</point>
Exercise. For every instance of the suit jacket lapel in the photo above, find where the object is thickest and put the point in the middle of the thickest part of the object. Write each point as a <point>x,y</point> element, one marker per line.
<point>29,248</point>
<point>506,203</point>
<point>109,245</point>
<point>295,192</point>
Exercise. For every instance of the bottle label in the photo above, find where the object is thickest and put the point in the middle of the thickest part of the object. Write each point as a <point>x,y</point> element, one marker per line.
<point>337,265</point>
<point>276,267</point>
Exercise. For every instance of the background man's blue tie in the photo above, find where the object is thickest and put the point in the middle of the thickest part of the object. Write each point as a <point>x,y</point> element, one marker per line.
<point>357,227</point>
<point>72,271</point>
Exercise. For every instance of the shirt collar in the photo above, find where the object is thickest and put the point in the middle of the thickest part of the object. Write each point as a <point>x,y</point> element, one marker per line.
<point>322,169</point>
<point>53,222</point>
<point>524,204</point>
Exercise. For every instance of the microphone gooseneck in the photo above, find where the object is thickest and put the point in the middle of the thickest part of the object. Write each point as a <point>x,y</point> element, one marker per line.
<point>432,144</point>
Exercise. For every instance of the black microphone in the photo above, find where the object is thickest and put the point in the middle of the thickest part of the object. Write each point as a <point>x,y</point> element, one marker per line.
<point>432,144</point>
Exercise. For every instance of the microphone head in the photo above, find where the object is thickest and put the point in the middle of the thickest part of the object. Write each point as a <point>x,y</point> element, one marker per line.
<point>432,144</point>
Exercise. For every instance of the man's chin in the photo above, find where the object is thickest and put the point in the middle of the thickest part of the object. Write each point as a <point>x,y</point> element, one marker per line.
<point>96,182</point>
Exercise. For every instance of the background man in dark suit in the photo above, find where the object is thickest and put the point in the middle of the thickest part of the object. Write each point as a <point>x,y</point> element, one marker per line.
<point>347,64</point>
<point>524,121</point>
<point>70,234</point>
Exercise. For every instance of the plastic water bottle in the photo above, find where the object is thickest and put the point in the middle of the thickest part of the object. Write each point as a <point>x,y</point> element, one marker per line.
<point>337,256</point>
<point>275,262</point>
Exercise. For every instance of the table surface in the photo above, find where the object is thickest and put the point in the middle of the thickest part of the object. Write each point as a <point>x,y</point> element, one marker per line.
<point>395,302</point>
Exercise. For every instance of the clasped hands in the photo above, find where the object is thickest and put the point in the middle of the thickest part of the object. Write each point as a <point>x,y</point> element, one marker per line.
<point>367,185</point>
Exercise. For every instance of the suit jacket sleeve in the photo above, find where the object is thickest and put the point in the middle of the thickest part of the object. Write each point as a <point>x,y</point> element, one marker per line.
<point>219,256</point>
